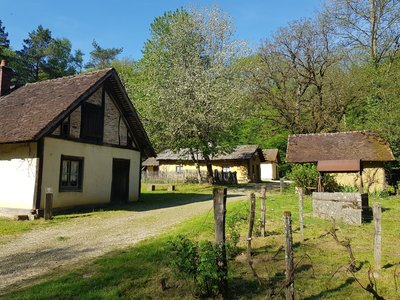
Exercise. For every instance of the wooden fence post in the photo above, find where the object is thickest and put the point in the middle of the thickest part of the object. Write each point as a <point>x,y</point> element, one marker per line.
<point>300,191</point>
<point>377,211</point>
<point>251,223</point>
<point>263,210</point>
<point>281,185</point>
<point>289,256</point>
<point>48,205</point>
<point>219,197</point>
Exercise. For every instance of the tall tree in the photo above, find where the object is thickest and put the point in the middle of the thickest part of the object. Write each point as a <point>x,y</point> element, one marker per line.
<point>298,80</point>
<point>34,51</point>
<point>369,26</point>
<point>102,57</point>
<point>377,107</point>
<point>192,90</point>
<point>44,57</point>
<point>4,41</point>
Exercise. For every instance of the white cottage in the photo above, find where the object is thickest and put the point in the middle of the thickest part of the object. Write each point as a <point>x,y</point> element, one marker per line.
<point>78,135</point>
<point>269,168</point>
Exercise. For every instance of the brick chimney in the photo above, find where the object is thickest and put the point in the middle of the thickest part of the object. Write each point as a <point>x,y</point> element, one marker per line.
<point>5,78</point>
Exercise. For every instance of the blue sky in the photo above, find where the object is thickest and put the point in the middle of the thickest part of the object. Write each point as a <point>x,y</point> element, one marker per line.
<point>124,23</point>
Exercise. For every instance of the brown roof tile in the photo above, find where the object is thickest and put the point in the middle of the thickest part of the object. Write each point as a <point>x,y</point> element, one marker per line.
<point>355,145</point>
<point>25,112</point>
<point>151,161</point>
<point>240,152</point>
<point>271,155</point>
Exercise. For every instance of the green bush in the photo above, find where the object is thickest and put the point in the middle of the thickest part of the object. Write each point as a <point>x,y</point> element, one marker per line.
<point>348,189</point>
<point>304,175</point>
<point>233,223</point>
<point>329,183</point>
<point>197,261</point>
<point>185,260</point>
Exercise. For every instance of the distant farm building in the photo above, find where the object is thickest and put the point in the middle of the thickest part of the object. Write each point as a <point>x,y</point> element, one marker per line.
<point>269,168</point>
<point>245,160</point>
<point>356,158</point>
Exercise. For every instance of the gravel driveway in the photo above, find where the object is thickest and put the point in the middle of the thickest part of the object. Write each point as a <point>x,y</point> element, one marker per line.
<point>40,251</point>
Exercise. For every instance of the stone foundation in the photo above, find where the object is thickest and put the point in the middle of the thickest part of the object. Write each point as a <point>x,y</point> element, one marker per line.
<point>350,208</point>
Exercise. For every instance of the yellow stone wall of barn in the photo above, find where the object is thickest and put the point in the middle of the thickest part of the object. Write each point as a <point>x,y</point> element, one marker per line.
<point>240,167</point>
<point>18,174</point>
<point>373,178</point>
<point>97,172</point>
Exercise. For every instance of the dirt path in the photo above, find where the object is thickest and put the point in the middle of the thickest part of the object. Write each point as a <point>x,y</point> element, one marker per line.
<point>40,251</point>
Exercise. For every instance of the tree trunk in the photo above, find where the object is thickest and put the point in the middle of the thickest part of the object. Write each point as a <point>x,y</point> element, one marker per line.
<point>197,165</point>
<point>373,23</point>
<point>210,175</point>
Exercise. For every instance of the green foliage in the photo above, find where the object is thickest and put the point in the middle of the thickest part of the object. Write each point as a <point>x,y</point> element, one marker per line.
<point>378,106</point>
<point>191,91</point>
<point>44,57</point>
<point>185,257</point>
<point>296,76</point>
<point>4,41</point>
<point>102,57</point>
<point>329,183</point>
<point>233,224</point>
<point>197,261</point>
<point>304,175</point>
<point>347,189</point>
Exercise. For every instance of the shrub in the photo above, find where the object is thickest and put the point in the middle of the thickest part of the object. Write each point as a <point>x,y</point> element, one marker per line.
<point>185,258</point>
<point>348,189</point>
<point>304,175</point>
<point>197,261</point>
<point>329,183</point>
<point>233,223</point>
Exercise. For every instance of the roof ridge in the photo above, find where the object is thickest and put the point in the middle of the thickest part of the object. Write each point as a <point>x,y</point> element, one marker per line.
<point>70,76</point>
<point>333,133</point>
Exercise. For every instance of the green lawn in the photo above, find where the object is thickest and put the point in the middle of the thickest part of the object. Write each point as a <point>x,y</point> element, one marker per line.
<point>320,263</point>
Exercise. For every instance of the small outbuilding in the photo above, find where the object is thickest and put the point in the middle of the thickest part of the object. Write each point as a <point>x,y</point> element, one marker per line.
<point>356,158</point>
<point>269,168</point>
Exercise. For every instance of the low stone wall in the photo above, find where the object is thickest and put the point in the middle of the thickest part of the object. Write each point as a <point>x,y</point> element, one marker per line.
<point>347,207</point>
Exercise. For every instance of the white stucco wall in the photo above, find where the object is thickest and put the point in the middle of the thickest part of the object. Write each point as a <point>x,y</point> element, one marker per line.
<point>18,169</point>
<point>97,172</point>
<point>269,171</point>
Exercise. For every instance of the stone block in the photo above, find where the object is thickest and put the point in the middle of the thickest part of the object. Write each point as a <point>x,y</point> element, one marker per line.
<point>346,207</point>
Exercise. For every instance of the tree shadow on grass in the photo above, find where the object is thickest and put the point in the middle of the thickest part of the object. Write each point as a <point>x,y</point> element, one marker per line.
<point>148,201</point>
<point>241,288</point>
<point>328,292</point>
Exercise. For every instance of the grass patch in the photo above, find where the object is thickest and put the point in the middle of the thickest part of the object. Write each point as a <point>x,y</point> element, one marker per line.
<point>136,273</point>
<point>185,193</point>
<point>9,227</point>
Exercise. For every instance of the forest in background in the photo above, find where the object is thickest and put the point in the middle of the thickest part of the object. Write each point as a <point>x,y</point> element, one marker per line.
<point>196,87</point>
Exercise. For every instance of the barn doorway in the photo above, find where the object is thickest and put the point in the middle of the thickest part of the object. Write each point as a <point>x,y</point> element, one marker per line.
<point>120,180</point>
